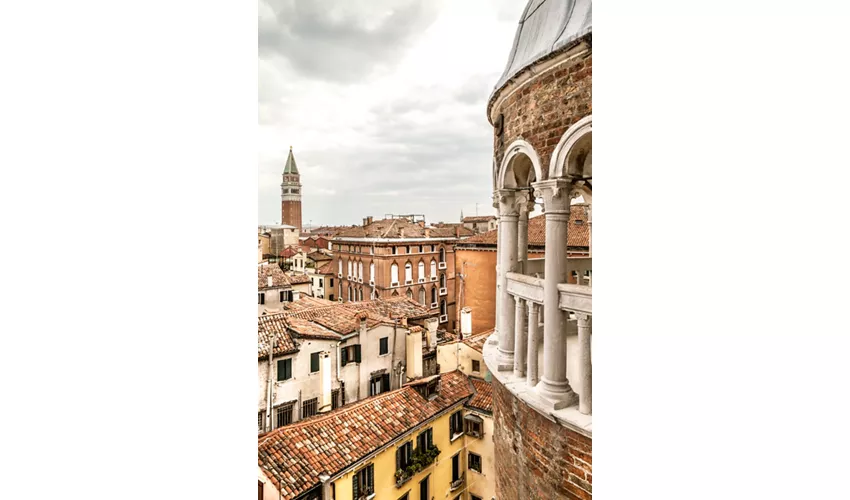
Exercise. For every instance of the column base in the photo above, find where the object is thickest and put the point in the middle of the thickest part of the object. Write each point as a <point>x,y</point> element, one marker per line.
<point>557,394</point>
<point>505,360</point>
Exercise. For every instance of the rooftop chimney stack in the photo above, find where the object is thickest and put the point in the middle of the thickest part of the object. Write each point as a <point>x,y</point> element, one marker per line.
<point>270,281</point>
<point>362,316</point>
<point>414,352</point>
<point>427,232</point>
<point>325,404</point>
<point>465,322</point>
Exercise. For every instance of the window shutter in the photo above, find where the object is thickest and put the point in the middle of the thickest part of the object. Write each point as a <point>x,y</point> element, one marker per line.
<point>357,353</point>
<point>398,458</point>
<point>355,486</point>
<point>314,362</point>
<point>344,352</point>
<point>281,369</point>
<point>288,367</point>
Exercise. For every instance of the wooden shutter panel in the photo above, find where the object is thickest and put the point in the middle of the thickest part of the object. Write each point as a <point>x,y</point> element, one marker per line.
<point>344,352</point>
<point>355,487</point>
<point>314,362</point>
<point>398,458</point>
<point>288,367</point>
<point>281,367</point>
<point>357,353</point>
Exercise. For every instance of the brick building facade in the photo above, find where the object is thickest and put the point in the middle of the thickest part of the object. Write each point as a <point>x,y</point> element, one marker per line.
<point>398,257</point>
<point>540,353</point>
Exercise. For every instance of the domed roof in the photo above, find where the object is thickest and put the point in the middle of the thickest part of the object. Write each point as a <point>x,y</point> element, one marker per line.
<point>546,26</point>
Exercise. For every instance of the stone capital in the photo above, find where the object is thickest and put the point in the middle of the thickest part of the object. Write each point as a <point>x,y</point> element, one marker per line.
<point>583,320</point>
<point>507,200</point>
<point>555,194</point>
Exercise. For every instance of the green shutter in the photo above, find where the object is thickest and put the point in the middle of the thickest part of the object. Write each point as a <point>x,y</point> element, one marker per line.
<point>314,362</point>
<point>344,352</point>
<point>281,367</point>
<point>355,488</point>
<point>288,367</point>
<point>357,353</point>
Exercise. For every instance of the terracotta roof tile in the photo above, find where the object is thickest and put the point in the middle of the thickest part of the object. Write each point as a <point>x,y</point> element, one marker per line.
<point>479,218</point>
<point>483,398</point>
<point>477,341</point>
<point>294,455</point>
<point>400,228</point>
<point>578,234</point>
<point>274,326</point>
<point>326,268</point>
<point>298,279</point>
<point>279,278</point>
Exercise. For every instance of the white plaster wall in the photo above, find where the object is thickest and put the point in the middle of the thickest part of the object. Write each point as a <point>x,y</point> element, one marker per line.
<point>357,376</point>
<point>272,302</point>
<point>459,356</point>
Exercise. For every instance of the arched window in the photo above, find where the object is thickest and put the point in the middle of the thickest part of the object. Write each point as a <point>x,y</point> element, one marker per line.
<point>408,272</point>
<point>422,296</point>
<point>421,270</point>
<point>409,294</point>
<point>394,273</point>
<point>433,295</point>
<point>443,311</point>
<point>433,268</point>
<point>349,294</point>
<point>442,281</point>
<point>442,254</point>
<point>360,270</point>
<point>360,294</point>
<point>372,271</point>
<point>340,266</point>
<point>350,272</point>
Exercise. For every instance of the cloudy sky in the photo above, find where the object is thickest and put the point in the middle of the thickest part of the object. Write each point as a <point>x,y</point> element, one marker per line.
<point>383,102</point>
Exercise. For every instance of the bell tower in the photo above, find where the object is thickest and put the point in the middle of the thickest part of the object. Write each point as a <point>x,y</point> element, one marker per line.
<point>290,194</point>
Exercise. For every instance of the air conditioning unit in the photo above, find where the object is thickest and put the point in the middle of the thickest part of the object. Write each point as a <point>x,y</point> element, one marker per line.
<point>444,318</point>
<point>422,280</point>
<point>441,265</point>
<point>444,291</point>
<point>434,305</point>
<point>433,278</point>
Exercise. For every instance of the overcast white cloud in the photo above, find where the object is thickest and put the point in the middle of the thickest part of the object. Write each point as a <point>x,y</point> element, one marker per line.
<point>384,103</point>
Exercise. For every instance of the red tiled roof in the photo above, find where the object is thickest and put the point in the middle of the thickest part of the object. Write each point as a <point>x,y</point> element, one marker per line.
<point>298,279</point>
<point>578,235</point>
<point>483,398</point>
<point>274,326</point>
<point>294,455</point>
<point>477,341</point>
<point>279,278</point>
<point>479,218</point>
<point>326,268</point>
<point>400,228</point>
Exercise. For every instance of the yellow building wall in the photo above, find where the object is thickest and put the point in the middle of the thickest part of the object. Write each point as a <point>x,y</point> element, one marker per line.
<point>440,471</point>
<point>481,484</point>
<point>459,356</point>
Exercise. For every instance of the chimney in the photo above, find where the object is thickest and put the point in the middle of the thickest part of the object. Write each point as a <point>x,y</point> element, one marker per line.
<point>465,322</point>
<point>427,232</point>
<point>431,327</point>
<point>325,376</point>
<point>270,281</point>
<point>457,231</point>
<point>422,223</point>
<point>401,232</point>
<point>296,295</point>
<point>362,316</point>
<point>413,351</point>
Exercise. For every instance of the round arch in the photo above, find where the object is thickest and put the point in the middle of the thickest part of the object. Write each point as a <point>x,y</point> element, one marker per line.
<point>517,148</point>
<point>578,131</point>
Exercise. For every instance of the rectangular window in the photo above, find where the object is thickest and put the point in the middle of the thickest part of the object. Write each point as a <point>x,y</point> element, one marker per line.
<point>456,424</point>
<point>335,399</point>
<point>404,456</point>
<point>423,489</point>
<point>385,345</point>
<point>379,384</point>
<point>332,296</point>
<point>260,419</point>
<point>332,284</point>
<point>394,250</point>
<point>308,408</point>
<point>283,415</point>
<point>456,467</point>
<point>261,298</point>
<point>281,296</point>
<point>476,365</point>
<point>474,462</point>
<point>314,362</point>
<point>425,440</point>
<point>284,369</point>
<point>474,425</point>
<point>350,354</point>
<point>363,483</point>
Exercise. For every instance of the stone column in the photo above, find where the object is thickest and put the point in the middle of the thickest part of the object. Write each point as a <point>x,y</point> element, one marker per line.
<point>525,203</point>
<point>533,342</point>
<point>554,386</point>
<point>508,215</point>
<point>585,368</point>
<point>498,255</point>
<point>520,339</point>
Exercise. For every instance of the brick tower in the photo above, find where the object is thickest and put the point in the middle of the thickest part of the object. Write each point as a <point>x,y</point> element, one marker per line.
<point>290,194</point>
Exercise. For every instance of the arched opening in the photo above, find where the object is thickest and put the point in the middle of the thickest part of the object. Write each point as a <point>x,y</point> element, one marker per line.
<point>442,281</point>
<point>372,271</point>
<point>442,254</point>
<point>443,310</point>
<point>421,270</point>
<point>394,274</point>
<point>408,272</point>
<point>395,293</point>
<point>433,295</point>
<point>433,268</point>
<point>410,294</point>
<point>422,296</point>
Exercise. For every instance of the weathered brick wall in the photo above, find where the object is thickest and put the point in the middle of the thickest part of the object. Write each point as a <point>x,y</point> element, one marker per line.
<point>535,457</point>
<point>542,110</point>
<point>291,213</point>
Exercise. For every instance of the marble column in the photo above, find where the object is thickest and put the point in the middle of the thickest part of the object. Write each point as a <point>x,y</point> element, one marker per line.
<point>498,255</point>
<point>520,338</point>
<point>525,204</point>
<point>585,383</point>
<point>533,342</point>
<point>554,386</point>
<point>508,215</point>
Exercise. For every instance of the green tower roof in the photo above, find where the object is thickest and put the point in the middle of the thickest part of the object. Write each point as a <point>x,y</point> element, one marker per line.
<point>290,167</point>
